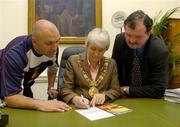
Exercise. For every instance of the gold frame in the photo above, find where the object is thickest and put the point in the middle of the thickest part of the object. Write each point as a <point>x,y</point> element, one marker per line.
<point>64,39</point>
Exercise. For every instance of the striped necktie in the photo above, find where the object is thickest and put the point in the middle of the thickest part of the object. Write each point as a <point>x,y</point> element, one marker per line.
<point>136,78</point>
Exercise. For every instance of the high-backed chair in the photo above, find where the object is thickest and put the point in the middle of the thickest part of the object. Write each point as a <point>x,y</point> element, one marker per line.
<point>65,55</point>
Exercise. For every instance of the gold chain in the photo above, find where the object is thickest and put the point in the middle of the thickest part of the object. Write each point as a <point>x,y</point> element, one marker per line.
<point>93,84</point>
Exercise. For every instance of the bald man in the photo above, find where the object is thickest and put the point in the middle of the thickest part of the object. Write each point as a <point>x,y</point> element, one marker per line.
<point>23,60</point>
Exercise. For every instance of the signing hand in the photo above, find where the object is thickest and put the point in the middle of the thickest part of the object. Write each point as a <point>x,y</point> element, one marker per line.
<point>80,102</point>
<point>98,99</point>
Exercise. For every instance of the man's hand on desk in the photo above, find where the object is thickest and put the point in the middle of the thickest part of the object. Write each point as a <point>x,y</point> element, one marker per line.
<point>124,91</point>
<point>52,92</point>
<point>53,105</point>
<point>21,101</point>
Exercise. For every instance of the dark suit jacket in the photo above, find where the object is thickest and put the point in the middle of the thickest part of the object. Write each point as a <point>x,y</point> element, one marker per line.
<point>75,84</point>
<point>154,67</point>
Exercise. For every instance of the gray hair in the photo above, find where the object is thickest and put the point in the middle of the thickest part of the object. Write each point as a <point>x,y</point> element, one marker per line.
<point>99,37</point>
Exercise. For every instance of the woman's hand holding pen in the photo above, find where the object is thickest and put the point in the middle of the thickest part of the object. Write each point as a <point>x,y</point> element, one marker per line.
<point>80,102</point>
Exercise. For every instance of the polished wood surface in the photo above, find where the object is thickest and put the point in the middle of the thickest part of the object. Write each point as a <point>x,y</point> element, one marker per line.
<point>173,28</point>
<point>172,31</point>
<point>147,113</point>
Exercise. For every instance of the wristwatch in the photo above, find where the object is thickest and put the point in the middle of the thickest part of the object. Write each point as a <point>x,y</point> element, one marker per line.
<point>50,88</point>
<point>126,90</point>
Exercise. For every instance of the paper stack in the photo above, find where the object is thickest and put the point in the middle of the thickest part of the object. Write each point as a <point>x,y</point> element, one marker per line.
<point>115,109</point>
<point>172,95</point>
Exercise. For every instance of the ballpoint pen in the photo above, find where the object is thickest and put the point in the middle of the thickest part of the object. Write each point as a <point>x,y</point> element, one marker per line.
<point>84,100</point>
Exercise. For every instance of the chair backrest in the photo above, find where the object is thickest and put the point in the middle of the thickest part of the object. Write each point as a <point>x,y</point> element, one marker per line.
<point>65,55</point>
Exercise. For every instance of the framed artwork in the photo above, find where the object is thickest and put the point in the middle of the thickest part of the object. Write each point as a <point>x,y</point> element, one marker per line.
<point>73,18</point>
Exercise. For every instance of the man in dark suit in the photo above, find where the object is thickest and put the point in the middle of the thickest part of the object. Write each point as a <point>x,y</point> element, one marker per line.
<point>150,76</point>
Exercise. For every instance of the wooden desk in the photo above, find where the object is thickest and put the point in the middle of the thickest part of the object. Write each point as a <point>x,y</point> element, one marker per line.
<point>172,30</point>
<point>147,113</point>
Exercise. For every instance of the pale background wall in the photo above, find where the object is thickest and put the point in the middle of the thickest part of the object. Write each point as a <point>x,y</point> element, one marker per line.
<point>14,21</point>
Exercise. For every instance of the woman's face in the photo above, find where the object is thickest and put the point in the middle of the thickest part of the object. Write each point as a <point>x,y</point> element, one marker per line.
<point>95,53</point>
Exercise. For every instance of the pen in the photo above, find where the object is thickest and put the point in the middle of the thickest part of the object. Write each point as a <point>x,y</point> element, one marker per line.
<point>87,106</point>
<point>83,98</point>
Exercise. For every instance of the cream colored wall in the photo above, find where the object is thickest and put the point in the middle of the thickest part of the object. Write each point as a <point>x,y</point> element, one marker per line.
<point>14,20</point>
<point>151,7</point>
<point>14,16</point>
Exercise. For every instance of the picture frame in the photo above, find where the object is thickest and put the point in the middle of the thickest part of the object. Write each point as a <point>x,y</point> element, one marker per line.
<point>77,36</point>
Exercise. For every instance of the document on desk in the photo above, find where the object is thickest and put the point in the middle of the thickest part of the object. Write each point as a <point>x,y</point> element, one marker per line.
<point>94,113</point>
<point>172,95</point>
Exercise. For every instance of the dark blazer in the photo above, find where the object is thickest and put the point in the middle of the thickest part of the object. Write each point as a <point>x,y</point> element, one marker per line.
<point>74,82</point>
<point>154,66</point>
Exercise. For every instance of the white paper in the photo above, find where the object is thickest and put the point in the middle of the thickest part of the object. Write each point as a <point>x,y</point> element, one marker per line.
<point>94,113</point>
<point>172,95</point>
<point>175,91</point>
